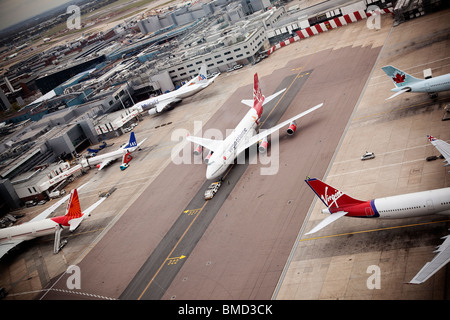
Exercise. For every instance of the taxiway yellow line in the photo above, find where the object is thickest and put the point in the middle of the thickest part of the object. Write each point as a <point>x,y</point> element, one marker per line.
<point>374,230</point>
<point>173,249</point>
<point>281,98</point>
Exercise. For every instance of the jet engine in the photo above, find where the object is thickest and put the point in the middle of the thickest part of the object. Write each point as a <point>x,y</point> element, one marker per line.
<point>208,156</point>
<point>292,128</point>
<point>198,150</point>
<point>152,111</point>
<point>263,144</point>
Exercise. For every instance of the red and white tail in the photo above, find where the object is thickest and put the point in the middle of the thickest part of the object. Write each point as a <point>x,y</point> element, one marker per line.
<point>73,211</point>
<point>330,196</point>
<point>258,98</point>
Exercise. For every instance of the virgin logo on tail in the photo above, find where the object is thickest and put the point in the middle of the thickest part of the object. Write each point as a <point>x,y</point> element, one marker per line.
<point>332,199</point>
<point>257,95</point>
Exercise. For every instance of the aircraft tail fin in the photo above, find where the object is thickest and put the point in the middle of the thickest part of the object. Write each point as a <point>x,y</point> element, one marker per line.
<point>73,215</point>
<point>201,77</point>
<point>73,209</point>
<point>132,142</point>
<point>257,95</point>
<point>330,196</point>
<point>399,77</point>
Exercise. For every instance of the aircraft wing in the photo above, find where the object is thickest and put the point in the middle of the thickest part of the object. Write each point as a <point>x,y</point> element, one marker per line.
<point>440,260</point>
<point>210,144</point>
<point>442,146</point>
<point>265,133</point>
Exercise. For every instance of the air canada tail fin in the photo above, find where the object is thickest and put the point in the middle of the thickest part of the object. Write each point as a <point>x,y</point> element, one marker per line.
<point>132,143</point>
<point>399,77</point>
<point>330,196</point>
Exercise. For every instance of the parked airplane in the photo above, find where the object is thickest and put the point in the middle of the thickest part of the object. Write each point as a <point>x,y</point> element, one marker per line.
<point>39,226</point>
<point>165,101</point>
<point>443,147</point>
<point>123,152</point>
<point>223,152</point>
<point>402,206</point>
<point>406,83</point>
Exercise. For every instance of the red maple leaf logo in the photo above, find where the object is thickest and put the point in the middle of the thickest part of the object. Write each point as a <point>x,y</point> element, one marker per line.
<point>399,78</point>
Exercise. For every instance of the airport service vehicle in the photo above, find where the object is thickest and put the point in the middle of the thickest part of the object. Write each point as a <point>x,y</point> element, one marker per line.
<point>406,83</point>
<point>224,152</point>
<point>401,206</point>
<point>367,156</point>
<point>40,226</point>
<point>123,152</point>
<point>212,190</point>
<point>166,101</point>
<point>443,147</point>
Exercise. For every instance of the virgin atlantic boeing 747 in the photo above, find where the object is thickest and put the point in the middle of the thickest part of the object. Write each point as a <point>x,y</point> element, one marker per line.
<point>224,152</point>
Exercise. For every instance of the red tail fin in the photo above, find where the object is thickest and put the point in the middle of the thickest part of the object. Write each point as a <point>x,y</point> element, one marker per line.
<point>330,196</point>
<point>73,210</point>
<point>257,95</point>
<point>258,98</point>
<point>73,207</point>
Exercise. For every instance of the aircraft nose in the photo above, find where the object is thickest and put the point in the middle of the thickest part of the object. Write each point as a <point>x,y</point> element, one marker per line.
<point>208,174</point>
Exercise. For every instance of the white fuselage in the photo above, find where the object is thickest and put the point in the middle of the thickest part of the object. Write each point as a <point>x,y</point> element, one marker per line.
<point>180,93</point>
<point>28,231</point>
<point>414,204</point>
<point>221,159</point>
<point>104,157</point>
<point>440,83</point>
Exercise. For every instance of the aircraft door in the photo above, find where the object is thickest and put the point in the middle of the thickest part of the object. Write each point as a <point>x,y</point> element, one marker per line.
<point>430,205</point>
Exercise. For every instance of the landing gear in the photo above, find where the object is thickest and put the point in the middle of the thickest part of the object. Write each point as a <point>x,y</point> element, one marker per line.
<point>58,243</point>
<point>433,95</point>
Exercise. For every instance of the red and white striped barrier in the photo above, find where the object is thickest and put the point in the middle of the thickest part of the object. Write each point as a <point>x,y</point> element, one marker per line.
<point>325,26</point>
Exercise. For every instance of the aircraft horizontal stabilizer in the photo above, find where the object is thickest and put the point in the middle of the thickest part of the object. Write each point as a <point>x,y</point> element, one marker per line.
<point>249,102</point>
<point>399,93</point>
<point>328,220</point>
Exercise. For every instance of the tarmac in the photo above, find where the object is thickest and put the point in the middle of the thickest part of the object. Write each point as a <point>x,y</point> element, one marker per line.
<point>251,246</point>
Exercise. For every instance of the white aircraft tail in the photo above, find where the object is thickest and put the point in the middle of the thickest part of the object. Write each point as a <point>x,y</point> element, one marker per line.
<point>399,78</point>
<point>201,78</point>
